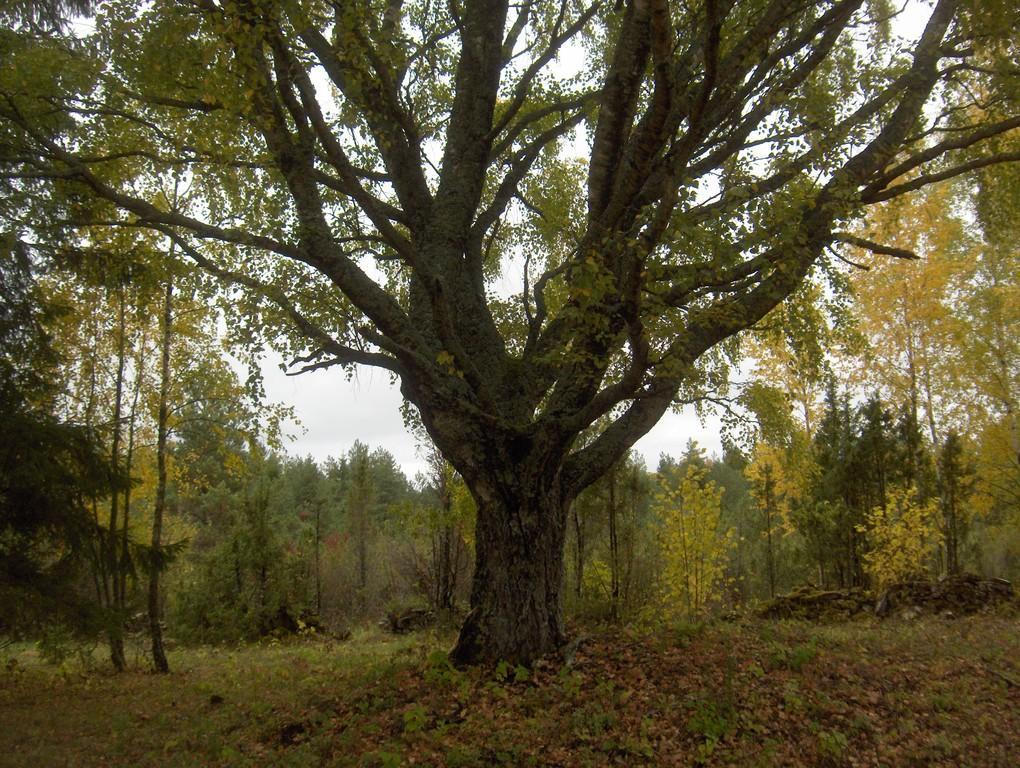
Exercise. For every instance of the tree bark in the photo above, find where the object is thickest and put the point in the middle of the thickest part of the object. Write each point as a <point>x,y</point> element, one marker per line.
<point>443,545</point>
<point>362,551</point>
<point>516,611</point>
<point>359,500</point>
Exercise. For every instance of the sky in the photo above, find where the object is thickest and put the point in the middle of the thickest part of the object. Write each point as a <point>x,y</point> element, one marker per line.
<point>335,412</point>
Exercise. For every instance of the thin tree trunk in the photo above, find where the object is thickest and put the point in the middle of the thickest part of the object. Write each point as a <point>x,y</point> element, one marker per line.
<point>115,629</point>
<point>359,501</point>
<point>159,660</point>
<point>446,602</point>
<point>435,571</point>
<point>318,568</point>
<point>125,560</point>
<point>362,549</point>
<point>634,503</point>
<point>578,553</point>
<point>614,549</point>
<point>808,427</point>
<point>96,543</point>
<point>771,559</point>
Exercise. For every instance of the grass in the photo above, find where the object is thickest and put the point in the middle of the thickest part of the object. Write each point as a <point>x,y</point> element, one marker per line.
<point>926,693</point>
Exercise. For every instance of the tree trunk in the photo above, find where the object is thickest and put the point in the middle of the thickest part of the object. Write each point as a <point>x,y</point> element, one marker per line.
<point>614,549</point>
<point>115,629</point>
<point>516,611</point>
<point>444,576</point>
<point>359,500</point>
<point>159,660</point>
<point>770,552</point>
<point>129,457</point>
<point>318,558</point>
<point>578,553</point>
<point>362,552</point>
<point>443,566</point>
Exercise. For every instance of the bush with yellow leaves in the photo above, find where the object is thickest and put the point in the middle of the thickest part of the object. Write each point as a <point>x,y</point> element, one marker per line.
<point>903,538</point>
<point>694,548</point>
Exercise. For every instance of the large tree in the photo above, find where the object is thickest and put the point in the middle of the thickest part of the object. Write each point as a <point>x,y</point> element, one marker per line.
<point>653,176</point>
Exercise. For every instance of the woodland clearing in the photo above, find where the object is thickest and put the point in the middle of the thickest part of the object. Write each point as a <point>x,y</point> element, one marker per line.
<point>932,692</point>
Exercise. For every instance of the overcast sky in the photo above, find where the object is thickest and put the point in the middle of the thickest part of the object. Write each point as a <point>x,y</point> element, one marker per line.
<point>334,413</point>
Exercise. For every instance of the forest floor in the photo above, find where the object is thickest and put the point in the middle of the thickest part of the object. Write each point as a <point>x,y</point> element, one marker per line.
<point>927,692</point>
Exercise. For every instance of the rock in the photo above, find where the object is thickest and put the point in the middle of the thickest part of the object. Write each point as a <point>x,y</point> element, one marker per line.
<point>281,623</point>
<point>408,620</point>
<point>309,621</point>
<point>808,603</point>
<point>948,597</point>
<point>286,622</point>
<point>955,596</point>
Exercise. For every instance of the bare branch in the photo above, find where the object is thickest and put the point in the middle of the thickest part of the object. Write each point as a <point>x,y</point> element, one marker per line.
<point>869,245</point>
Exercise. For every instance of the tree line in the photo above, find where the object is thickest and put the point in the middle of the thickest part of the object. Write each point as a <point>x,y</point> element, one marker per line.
<point>144,478</point>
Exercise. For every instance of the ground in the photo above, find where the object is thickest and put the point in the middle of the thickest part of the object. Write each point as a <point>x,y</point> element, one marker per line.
<point>927,692</point>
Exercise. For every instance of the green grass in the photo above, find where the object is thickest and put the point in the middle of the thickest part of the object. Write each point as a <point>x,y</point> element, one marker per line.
<point>255,705</point>
<point>931,692</point>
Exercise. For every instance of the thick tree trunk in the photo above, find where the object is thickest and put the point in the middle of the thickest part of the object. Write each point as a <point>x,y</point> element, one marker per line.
<point>516,609</point>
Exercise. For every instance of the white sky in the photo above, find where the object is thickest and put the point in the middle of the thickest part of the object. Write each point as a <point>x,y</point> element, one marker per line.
<point>335,412</point>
